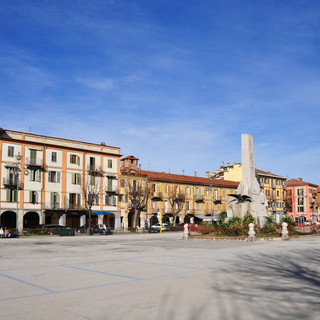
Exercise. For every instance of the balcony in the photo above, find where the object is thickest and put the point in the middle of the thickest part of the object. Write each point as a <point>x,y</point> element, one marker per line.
<point>94,170</point>
<point>199,199</point>
<point>74,206</point>
<point>157,196</point>
<point>54,205</point>
<point>11,183</point>
<point>34,162</point>
<point>11,165</point>
<point>111,189</point>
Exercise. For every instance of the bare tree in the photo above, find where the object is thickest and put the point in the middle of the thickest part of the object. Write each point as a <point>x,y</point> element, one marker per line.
<point>177,200</point>
<point>139,191</point>
<point>91,190</point>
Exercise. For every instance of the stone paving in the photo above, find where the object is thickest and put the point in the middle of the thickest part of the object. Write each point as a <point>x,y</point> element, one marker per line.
<point>158,276</point>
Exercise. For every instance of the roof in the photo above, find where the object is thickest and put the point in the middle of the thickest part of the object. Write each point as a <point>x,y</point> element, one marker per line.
<point>103,144</point>
<point>299,182</point>
<point>162,176</point>
<point>130,158</point>
<point>268,173</point>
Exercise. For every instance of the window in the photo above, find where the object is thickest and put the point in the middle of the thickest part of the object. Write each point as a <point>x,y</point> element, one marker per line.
<point>75,159</point>
<point>33,197</point>
<point>122,183</point>
<point>54,200</point>
<point>110,184</point>
<point>11,195</point>
<point>109,163</point>
<point>153,188</point>
<point>35,175</point>
<point>96,200</point>
<point>74,200</point>
<point>53,156</point>
<point>92,180</point>
<point>111,200</point>
<point>54,176</point>
<point>207,191</point>
<point>33,156</point>
<point>75,178</point>
<point>10,151</point>
<point>92,162</point>
<point>187,205</point>
<point>188,191</point>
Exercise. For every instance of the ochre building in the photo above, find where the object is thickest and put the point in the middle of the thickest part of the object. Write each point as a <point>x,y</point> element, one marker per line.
<point>204,196</point>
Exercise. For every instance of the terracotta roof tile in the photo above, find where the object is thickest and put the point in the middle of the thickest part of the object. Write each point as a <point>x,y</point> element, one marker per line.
<point>184,178</point>
<point>299,182</point>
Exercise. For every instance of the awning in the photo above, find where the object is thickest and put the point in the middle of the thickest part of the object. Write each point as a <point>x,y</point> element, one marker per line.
<point>208,218</point>
<point>101,214</point>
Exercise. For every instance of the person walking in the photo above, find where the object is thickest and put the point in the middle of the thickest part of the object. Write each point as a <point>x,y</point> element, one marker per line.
<point>1,233</point>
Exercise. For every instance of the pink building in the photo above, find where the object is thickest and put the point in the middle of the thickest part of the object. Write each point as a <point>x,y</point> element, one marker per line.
<point>302,200</point>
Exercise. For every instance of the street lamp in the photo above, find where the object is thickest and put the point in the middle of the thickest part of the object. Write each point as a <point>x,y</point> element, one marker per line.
<point>15,173</point>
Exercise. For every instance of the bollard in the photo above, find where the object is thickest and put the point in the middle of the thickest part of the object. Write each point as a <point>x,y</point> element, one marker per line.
<point>251,233</point>
<point>185,232</point>
<point>284,231</point>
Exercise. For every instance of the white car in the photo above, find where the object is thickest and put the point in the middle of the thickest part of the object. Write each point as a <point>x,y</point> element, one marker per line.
<point>165,227</point>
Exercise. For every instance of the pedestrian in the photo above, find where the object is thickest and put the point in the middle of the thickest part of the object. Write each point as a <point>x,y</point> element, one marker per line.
<point>104,229</point>
<point>7,233</point>
<point>1,233</point>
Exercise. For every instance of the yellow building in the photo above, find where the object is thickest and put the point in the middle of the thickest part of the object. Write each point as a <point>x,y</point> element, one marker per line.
<point>203,196</point>
<point>272,185</point>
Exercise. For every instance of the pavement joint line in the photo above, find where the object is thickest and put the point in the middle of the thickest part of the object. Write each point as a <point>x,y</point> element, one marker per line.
<point>100,272</point>
<point>160,264</point>
<point>26,283</point>
<point>27,296</point>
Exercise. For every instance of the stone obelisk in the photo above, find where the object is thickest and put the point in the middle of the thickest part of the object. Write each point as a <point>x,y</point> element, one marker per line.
<point>249,186</point>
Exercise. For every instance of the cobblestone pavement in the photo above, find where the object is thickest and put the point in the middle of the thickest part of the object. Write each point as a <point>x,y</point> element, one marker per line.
<point>158,276</point>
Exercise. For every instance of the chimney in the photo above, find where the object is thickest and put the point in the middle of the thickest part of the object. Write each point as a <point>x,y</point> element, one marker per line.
<point>183,172</point>
<point>299,179</point>
<point>207,174</point>
<point>217,171</point>
<point>103,143</point>
<point>228,164</point>
<point>139,166</point>
<point>195,173</point>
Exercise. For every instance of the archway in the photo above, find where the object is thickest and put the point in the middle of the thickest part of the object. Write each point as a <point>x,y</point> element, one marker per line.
<point>166,218</point>
<point>131,217</point>
<point>109,219</point>
<point>31,219</point>
<point>9,219</point>
<point>187,218</point>
<point>153,220</point>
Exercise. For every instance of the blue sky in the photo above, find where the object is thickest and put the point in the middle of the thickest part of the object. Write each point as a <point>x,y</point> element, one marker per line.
<point>174,83</point>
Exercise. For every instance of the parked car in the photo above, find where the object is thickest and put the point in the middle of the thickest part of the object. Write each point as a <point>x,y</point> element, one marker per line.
<point>58,229</point>
<point>55,226</point>
<point>156,227</point>
<point>192,227</point>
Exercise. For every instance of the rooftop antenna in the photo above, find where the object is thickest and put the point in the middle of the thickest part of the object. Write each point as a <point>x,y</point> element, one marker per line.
<point>29,129</point>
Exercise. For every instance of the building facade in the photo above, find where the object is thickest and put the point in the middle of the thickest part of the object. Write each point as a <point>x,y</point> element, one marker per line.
<point>204,196</point>
<point>302,200</point>
<point>272,185</point>
<point>43,180</point>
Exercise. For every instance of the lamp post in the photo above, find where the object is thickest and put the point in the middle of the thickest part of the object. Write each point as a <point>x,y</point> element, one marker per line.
<point>15,173</point>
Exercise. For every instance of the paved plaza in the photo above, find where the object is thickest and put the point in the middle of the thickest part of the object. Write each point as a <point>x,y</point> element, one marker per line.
<point>158,276</point>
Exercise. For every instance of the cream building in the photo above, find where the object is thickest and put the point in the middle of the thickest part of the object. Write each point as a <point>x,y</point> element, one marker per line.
<point>43,180</point>
<point>272,185</point>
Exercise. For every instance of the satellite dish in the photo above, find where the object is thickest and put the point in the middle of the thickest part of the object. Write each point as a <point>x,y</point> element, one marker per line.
<point>26,172</point>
